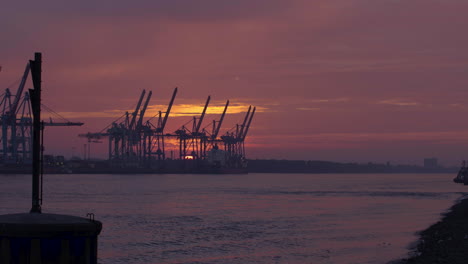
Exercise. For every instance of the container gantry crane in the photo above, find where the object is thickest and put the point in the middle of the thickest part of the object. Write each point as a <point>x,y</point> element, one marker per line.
<point>130,140</point>
<point>234,141</point>
<point>156,137</point>
<point>16,123</point>
<point>192,138</point>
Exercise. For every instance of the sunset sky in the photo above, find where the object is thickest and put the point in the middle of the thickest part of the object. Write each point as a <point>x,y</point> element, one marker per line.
<point>339,80</point>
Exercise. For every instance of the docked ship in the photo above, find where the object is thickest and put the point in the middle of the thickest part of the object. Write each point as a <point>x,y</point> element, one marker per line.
<point>462,175</point>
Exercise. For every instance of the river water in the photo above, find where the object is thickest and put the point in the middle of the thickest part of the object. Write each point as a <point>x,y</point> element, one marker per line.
<point>253,218</point>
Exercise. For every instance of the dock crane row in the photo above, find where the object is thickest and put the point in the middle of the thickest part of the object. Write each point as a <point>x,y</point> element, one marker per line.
<point>16,124</point>
<point>135,144</point>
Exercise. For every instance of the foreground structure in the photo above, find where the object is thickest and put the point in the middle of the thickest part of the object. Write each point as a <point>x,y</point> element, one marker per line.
<point>45,238</point>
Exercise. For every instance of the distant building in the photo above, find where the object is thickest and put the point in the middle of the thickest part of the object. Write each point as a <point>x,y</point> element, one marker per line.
<point>430,163</point>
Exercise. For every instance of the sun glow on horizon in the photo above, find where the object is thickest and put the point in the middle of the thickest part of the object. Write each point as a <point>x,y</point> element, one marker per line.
<point>178,110</point>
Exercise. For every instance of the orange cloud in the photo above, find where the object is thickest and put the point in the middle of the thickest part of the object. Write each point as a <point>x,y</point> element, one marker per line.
<point>399,102</point>
<point>178,110</point>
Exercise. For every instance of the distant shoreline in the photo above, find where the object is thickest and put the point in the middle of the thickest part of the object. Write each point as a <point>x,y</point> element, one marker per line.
<point>301,166</point>
<point>253,166</point>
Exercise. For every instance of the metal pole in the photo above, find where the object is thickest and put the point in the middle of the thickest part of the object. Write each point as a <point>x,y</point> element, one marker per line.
<point>42,162</point>
<point>35,95</point>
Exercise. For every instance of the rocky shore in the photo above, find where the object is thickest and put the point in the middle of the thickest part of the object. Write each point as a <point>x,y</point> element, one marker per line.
<point>446,241</point>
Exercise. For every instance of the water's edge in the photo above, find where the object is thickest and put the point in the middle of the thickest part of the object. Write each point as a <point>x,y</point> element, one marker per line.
<point>444,240</point>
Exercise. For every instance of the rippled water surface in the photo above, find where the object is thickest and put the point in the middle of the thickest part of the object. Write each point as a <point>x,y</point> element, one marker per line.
<point>254,218</point>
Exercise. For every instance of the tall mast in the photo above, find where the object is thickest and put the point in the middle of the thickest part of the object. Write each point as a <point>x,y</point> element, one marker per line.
<point>35,95</point>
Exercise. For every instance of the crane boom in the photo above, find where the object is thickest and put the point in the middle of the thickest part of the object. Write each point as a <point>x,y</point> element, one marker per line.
<point>14,106</point>
<point>90,135</point>
<point>163,124</point>
<point>142,112</point>
<point>197,129</point>
<point>135,113</point>
<point>248,124</point>
<point>63,123</point>
<point>6,102</point>
<point>215,134</point>
<point>241,131</point>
